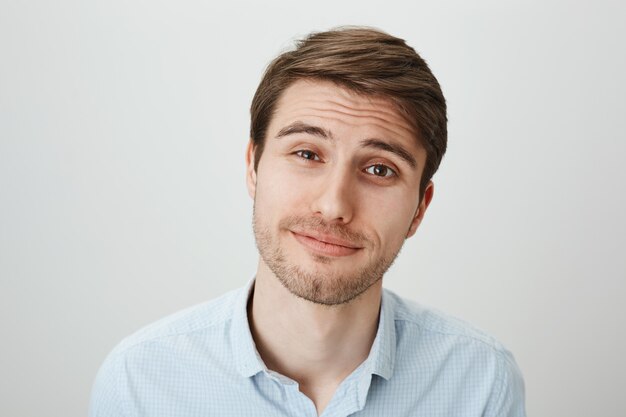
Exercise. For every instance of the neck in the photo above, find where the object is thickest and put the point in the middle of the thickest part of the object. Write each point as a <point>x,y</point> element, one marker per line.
<point>315,345</point>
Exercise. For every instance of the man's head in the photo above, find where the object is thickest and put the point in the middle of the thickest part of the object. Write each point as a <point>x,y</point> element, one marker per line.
<point>346,132</point>
<point>366,61</point>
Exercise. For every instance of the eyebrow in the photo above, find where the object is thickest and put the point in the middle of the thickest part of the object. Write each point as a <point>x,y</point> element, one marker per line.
<point>301,127</point>
<point>391,147</point>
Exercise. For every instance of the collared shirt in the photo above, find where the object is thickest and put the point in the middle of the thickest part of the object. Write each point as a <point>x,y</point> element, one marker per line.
<point>203,362</point>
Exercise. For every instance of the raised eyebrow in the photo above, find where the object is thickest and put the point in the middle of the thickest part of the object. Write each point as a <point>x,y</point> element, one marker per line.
<point>391,147</point>
<point>301,127</point>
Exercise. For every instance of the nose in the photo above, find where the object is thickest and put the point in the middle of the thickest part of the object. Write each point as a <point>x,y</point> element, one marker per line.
<point>335,196</point>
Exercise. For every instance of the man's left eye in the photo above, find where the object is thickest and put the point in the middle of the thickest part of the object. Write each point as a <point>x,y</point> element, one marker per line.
<point>380,170</point>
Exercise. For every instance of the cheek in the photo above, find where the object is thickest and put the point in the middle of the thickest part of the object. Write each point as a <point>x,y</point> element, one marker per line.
<point>279,191</point>
<point>392,216</point>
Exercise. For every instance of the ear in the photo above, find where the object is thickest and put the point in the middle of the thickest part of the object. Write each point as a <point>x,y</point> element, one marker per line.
<point>250,172</point>
<point>421,209</point>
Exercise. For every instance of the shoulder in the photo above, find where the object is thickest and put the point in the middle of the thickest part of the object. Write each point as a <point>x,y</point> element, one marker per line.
<point>473,363</point>
<point>166,347</point>
<point>193,319</point>
<point>431,322</point>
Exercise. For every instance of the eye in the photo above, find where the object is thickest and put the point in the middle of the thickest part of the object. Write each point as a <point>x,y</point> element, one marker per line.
<point>380,170</point>
<point>306,154</point>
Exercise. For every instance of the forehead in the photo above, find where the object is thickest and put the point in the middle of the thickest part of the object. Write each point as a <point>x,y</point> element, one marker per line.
<point>328,103</point>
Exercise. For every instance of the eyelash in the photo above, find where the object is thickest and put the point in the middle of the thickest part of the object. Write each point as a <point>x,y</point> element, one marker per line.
<point>393,172</point>
<point>302,157</point>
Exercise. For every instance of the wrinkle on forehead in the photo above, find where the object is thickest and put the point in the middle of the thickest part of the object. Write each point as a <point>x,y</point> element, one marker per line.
<point>328,100</point>
<point>367,118</point>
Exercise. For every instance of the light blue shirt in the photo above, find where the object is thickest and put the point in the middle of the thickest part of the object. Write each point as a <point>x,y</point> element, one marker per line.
<point>202,361</point>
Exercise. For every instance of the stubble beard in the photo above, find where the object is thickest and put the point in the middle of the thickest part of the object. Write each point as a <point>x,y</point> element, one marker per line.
<point>317,286</point>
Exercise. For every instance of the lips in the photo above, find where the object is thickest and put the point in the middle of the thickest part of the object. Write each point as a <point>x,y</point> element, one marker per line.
<point>325,244</point>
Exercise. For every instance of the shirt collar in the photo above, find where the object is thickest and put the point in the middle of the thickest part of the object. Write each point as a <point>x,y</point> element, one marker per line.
<point>247,358</point>
<point>380,360</point>
<point>382,357</point>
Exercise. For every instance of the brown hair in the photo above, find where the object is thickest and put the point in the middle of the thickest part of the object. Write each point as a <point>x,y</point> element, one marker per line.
<point>366,61</point>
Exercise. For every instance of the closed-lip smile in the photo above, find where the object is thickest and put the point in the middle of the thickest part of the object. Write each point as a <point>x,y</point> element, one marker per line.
<point>326,245</point>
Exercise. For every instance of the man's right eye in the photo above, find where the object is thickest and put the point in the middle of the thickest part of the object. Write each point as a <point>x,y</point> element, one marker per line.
<point>308,155</point>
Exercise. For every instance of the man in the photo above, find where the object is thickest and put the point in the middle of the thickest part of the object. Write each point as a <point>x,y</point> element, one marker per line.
<point>347,131</point>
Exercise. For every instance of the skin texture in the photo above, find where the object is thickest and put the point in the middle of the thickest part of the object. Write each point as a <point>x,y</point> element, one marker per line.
<point>325,177</point>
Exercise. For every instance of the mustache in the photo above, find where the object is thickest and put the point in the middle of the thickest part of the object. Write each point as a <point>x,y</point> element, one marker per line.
<point>315,224</point>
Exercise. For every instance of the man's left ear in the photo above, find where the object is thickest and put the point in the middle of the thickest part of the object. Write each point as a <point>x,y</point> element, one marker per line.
<point>421,209</point>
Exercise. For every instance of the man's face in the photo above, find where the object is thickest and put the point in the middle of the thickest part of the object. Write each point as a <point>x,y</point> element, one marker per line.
<point>336,191</point>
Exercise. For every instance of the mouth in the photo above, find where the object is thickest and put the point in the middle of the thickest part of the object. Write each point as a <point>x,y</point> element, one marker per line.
<point>326,245</point>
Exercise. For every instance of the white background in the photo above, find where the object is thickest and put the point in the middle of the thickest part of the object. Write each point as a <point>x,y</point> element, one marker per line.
<point>123,126</point>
